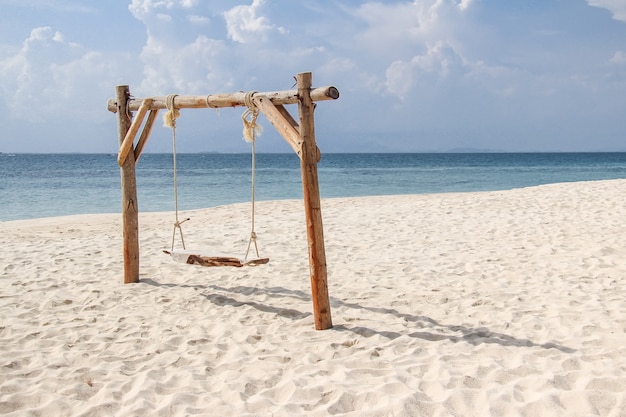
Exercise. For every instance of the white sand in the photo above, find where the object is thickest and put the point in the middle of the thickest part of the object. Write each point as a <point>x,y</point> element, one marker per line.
<point>500,303</point>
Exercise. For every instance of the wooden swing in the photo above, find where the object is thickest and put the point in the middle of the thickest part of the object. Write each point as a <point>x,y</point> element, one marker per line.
<point>250,131</point>
<point>299,134</point>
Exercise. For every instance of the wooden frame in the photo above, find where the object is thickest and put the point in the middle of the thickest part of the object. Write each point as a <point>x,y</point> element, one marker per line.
<point>300,136</point>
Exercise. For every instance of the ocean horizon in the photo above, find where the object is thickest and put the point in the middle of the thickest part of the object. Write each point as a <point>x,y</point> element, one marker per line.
<point>35,185</point>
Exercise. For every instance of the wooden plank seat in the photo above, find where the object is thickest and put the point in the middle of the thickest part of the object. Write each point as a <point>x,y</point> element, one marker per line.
<point>194,258</point>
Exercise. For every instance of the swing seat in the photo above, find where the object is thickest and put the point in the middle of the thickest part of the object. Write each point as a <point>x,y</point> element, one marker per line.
<point>194,258</point>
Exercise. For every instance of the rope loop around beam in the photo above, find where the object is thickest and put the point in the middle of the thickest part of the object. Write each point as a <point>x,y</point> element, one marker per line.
<point>169,118</point>
<point>247,99</point>
<point>250,128</point>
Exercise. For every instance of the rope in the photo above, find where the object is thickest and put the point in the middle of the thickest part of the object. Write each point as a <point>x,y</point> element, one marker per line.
<point>250,129</point>
<point>169,120</point>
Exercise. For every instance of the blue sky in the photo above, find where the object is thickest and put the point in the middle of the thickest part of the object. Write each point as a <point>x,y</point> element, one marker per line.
<point>420,76</point>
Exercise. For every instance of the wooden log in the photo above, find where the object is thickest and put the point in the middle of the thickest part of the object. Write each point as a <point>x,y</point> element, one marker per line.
<point>215,101</point>
<point>206,260</point>
<point>130,212</point>
<point>145,133</point>
<point>209,261</point>
<point>214,261</point>
<point>286,126</point>
<point>129,139</point>
<point>312,205</point>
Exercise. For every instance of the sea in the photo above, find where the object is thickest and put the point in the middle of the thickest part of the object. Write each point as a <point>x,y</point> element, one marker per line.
<point>47,185</point>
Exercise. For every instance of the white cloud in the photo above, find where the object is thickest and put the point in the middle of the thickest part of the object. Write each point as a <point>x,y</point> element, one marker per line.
<point>186,69</point>
<point>25,75</point>
<point>144,8</point>
<point>411,43</point>
<point>244,24</point>
<point>93,72</point>
<point>51,77</point>
<point>164,17</point>
<point>387,57</point>
<point>58,37</point>
<point>389,27</point>
<point>464,4</point>
<point>402,30</point>
<point>437,63</point>
<point>619,57</point>
<point>616,7</point>
<point>42,34</point>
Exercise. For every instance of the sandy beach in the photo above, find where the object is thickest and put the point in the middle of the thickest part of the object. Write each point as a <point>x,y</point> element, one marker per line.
<point>508,303</point>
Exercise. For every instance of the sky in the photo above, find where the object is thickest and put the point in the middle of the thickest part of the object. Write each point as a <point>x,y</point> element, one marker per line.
<point>414,76</point>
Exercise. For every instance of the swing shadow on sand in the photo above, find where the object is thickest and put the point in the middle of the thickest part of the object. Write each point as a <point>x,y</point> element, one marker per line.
<point>437,331</point>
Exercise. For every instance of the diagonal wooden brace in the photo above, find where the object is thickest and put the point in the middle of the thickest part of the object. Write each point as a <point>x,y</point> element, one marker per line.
<point>145,133</point>
<point>282,121</point>
<point>127,144</point>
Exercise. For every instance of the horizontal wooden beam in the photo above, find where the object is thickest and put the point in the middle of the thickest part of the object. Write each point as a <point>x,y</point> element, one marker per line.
<point>215,101</point>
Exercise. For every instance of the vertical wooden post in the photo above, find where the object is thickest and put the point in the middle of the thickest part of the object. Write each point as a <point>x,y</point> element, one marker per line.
<point>130,212</point>
<point>312,205</point>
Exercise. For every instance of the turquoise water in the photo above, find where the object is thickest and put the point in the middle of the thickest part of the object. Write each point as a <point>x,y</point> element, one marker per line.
<point>44,185</point>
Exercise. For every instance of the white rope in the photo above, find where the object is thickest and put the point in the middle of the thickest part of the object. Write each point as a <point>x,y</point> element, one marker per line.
<point>250,127</point>
<point>169,120</point>
<point>250,130</point>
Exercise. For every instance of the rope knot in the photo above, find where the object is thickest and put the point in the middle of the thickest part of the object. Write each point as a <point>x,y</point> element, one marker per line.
<point>169,118</point>
<point>249,117</point>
